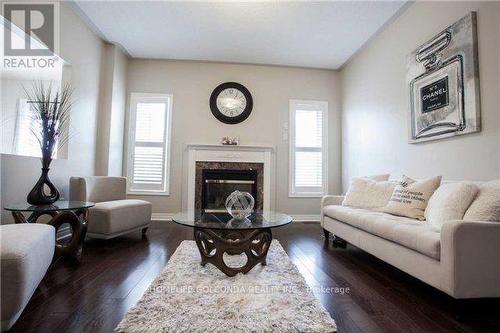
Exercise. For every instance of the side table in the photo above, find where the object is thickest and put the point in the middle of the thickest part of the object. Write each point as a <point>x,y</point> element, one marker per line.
<point>75,213</point>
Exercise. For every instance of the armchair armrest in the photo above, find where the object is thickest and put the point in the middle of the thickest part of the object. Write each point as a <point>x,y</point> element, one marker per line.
<point>470,255</point>
<point>328,200</point>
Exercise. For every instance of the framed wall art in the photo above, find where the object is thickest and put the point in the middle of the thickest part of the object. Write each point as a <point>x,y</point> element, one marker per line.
<point>443,81</point>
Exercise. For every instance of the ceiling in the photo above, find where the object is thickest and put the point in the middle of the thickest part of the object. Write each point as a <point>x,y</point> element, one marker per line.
<point>318,35</point>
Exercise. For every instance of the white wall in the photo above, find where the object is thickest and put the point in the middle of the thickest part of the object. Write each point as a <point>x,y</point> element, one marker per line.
<point>111,117</point>
<point>375,101</point>
<point>82,49</point>
<point>104,110</point>
<point>191,84</point>
<point>118,112</point>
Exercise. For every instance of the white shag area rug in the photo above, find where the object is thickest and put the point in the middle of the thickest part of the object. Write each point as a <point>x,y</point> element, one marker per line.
<point>187,297</point>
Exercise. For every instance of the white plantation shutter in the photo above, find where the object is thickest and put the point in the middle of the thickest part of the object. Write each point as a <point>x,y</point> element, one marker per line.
<point>149,143</point>
<point>308,152</point>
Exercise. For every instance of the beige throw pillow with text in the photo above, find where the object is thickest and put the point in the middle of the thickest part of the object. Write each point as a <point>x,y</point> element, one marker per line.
<point>410,197</point>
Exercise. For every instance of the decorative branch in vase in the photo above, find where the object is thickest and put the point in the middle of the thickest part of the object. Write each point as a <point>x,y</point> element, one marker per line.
<point>49,112</point>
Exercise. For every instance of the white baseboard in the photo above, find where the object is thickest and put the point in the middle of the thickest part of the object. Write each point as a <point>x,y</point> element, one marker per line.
<point>305,218</point>
<point>163,217</point>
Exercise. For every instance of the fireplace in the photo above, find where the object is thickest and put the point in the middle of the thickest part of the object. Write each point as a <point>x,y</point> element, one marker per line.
<point>218,184</point>
<point>215,181</point>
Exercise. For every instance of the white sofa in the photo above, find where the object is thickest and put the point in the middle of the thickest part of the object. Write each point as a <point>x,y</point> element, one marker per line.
<point>113,214</point>
<point>462,259</point>
<point>26,253</point>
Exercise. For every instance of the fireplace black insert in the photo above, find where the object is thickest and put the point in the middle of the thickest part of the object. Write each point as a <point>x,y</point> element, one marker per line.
<point>218,184</point>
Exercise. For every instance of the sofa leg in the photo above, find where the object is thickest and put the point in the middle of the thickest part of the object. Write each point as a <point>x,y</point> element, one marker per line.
<point>339,242</point>
<point>336,241</point>
<point>327,235</point>
<point>144,230</point>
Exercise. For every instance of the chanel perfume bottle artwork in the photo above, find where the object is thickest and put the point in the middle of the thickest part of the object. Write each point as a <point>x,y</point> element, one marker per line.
<point>443,77</point>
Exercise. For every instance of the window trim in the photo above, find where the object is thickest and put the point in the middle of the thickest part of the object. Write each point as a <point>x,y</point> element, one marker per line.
<point>313,105</point>
<point>132,114</point>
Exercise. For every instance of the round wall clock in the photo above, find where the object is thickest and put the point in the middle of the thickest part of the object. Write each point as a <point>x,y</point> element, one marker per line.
<point>231,103</point>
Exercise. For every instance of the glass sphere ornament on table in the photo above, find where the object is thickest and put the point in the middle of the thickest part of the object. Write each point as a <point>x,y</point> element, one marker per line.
<point>238,223</point>
<point>240,204</point>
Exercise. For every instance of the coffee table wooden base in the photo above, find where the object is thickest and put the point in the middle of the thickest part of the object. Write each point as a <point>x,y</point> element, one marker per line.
<point>213,243</point>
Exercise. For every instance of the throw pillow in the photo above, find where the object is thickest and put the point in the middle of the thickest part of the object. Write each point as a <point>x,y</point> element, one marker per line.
<point>368,193</point>
<point>449,202</point>
<point>379,178</point>
<point>410,197</point>
<point>486,206</point>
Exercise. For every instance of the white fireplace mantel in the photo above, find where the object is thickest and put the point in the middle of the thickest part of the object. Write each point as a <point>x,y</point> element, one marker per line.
<point>220,147</point>
<point>225,153</point>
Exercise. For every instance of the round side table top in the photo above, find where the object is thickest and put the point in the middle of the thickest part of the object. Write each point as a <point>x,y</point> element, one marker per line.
<point>56,206</point>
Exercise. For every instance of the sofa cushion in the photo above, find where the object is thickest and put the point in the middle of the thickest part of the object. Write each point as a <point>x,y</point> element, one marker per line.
<point>368,193</point>
<point>378,178</point>
<point>408,232</point>
<point>486,206</point>
<point>410,197</point>
<point>111,217</point>
<point>449,202</point>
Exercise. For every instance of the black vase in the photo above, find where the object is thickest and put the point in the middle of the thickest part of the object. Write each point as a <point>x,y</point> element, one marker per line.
<point>38,195</point>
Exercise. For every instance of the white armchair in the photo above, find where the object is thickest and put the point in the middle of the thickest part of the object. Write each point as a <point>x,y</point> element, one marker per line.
<point>114,214</point>
<point>26,251</point>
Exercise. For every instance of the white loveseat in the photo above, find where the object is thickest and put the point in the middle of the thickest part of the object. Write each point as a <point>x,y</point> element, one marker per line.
<point>462,259</point>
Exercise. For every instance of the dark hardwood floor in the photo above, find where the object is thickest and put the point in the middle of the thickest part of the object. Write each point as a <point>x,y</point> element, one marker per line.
<point>94,296</point>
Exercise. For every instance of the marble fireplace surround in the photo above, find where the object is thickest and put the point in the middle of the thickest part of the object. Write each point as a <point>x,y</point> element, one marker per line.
<point>219,155</point>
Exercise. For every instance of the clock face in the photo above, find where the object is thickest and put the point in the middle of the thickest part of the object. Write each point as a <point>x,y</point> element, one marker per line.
<point>231,103</point>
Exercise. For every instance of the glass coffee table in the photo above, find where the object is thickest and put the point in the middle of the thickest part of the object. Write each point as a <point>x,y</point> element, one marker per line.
<point>218,233</point>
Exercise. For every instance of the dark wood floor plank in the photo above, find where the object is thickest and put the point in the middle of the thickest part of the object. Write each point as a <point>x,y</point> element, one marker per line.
<point>94,296</point>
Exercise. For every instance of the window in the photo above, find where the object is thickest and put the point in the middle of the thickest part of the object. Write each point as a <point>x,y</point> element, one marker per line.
<point>149,144</point>
<point>25,139</point>
<point>308,148</point>
<point>25,142</point>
